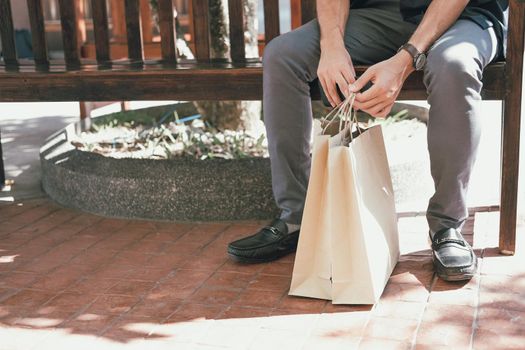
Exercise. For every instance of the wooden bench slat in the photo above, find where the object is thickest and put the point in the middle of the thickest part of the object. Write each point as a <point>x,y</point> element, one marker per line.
<point>237,81</point>
<point>201,29</point>
<point>167,31</point>
<point>100,29</point>
<point>307,10</point>
<point>7,32</point>
<point>235,8</point>
<point>134,30</point>
<point>68,18</point>
<point>271,20</point>
<point>38,32</point>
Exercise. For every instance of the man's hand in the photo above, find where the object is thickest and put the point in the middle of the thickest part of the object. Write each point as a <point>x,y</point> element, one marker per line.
<point>387,77</point>
<point>335,68</point>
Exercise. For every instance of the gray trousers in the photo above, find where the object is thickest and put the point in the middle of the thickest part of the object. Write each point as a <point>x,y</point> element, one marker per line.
<point>452,77</point>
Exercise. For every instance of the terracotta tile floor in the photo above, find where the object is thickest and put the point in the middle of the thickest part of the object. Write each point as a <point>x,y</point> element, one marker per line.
<point>71,280</point>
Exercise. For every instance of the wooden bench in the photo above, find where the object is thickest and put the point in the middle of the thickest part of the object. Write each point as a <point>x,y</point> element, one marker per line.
<point>206,79</point>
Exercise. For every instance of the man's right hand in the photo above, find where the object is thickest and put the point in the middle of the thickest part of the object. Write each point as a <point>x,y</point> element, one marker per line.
<point>335,68</point>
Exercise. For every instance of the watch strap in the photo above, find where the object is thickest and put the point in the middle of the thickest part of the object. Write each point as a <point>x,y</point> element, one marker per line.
<point>411,50</point>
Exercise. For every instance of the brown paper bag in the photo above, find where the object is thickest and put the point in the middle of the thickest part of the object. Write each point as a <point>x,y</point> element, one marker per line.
<point>349,242</point>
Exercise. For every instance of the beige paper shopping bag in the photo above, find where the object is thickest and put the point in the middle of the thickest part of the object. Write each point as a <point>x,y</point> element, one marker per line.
<point>349,243</point>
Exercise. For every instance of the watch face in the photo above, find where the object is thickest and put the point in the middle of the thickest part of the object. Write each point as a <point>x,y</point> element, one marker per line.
<point>420,61</point>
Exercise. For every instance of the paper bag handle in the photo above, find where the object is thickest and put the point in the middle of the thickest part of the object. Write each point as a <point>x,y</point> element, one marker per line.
<point>344,111</point>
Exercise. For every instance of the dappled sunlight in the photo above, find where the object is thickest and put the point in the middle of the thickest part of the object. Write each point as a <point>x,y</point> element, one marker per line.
<point>7,258</point>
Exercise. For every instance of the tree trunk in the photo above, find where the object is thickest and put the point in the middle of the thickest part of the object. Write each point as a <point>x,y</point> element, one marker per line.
<point>235,115</point>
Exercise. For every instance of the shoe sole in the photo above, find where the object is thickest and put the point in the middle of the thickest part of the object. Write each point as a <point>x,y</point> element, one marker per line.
<point>245,260</point>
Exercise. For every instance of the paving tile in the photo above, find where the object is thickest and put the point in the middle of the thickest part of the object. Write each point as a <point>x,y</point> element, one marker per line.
<point>234,312</point>
<point>405,292</point>
<point>278,268</point>
<point>166,260</point>
<point>501,319</point>
<point>399,309</point>
<point>194,311</point>
<point>213,296</point>
<point>397,329</point>
<point>131,287</point>
<point>270,282</point>
<point>113,271</point>
<point>278,339</point>
<point>336,308</point>
<point>413,270</point>
<point>259,298</point>
<point>295,303</point>
<point>130,328</point>
<point>502,300</point>
<point>438,335</point>
<point>90,323</point>
<point>228,335</point>
<point>28,298</point>
<point>113,304</point>
<point>159,307</point>
<point>58,280</point>
<point>498,339</point>
<point>229,280</point>
<point>17,279</point>
<point>70,300</point>
<point>375,344</point>
<point>497,283</point>
<point>94,285</point>
<point>328,342</point>
<point>233,266</point>
<point>460,315</point>
<point>150,274</point>
<point>442,285</point>
<point>183,283</point>
<point>347,324</point>
<point>454,297</point>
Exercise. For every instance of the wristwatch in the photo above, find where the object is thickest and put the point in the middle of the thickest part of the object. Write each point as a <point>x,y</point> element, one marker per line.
<point>419,58</point>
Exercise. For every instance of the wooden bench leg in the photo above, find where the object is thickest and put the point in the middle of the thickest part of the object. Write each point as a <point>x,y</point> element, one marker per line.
<point>511,128</point>
<point>509,179</point>
<point>2,169</point>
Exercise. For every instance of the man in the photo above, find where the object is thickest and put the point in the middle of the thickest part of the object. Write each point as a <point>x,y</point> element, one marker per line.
<point>451,41</point>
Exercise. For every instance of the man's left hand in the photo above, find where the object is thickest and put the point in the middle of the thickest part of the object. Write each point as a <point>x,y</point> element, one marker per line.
<point>387,78</point>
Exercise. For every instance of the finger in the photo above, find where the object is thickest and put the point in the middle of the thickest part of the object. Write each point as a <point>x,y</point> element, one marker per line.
<point>343,85</point>
<point>330,85</point>
<point>325,89</point>
<point>381,107</point>
<point>349,75</point>
<point>384,113</point>
<point>366,105</point>
<point>362,80</point>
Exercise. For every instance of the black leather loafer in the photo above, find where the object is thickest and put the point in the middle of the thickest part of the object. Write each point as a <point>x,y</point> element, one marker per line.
<point>270,243</point>
<point>453,257</point>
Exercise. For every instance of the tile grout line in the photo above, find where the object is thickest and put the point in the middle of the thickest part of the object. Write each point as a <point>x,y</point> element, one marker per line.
<point>476,310</point>
<point>414,338</point>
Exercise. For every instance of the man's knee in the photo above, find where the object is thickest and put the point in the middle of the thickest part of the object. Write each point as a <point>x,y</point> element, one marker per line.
<point>291,51</point>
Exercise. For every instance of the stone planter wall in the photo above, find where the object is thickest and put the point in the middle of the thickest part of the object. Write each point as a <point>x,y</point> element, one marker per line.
<point>179,189</point>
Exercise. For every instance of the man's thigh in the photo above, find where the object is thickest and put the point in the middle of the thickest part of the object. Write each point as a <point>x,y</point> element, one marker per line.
<point>374,34</point>
<point>465,45</point>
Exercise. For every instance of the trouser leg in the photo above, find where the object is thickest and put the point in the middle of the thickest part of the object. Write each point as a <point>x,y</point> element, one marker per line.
<point>290,61</point>
<point>453,79</point>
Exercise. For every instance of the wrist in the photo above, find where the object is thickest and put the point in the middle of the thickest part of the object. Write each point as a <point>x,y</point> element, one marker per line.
<point>406,61</point>
<point>333,39</point>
